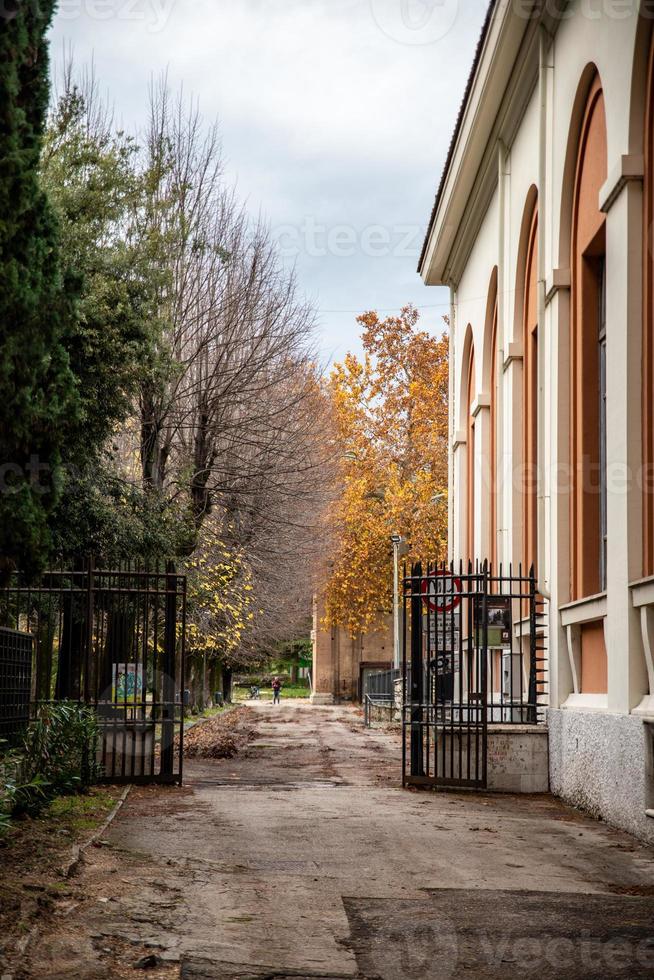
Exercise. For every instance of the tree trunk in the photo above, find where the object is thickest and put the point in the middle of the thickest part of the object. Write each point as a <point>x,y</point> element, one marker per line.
<point>117,650</point>
<point>204,699</point>
<point>227,684</point>
<point>45,650</point>
<point>215,680</point>
<point>71,649</point>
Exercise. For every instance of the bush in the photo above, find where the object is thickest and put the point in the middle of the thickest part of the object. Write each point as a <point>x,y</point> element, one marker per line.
<point>57,758</point>
<point>260,680</point>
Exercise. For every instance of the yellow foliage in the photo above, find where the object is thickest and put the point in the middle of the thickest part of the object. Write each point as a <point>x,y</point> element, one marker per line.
<point>218,595</point>
<point>391,417</point>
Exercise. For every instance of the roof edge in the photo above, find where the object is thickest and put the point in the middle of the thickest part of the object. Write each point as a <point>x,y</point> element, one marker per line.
<point>458,126</point>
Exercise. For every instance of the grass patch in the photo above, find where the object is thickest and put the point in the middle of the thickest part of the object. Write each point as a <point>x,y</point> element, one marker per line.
<point>80,813</point>
<point>290,691</point>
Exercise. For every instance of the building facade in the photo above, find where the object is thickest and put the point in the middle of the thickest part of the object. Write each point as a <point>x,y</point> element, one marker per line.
<point>542,229</point>
<point>340,661</point>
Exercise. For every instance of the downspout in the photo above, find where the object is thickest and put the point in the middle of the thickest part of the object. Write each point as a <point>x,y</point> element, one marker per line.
<point>451,419</point>
<point>501,524</point>
<point>543,497</point>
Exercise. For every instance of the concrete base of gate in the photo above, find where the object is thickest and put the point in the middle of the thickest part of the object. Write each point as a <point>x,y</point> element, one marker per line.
<point>518,759</point>
<point>322,699</point>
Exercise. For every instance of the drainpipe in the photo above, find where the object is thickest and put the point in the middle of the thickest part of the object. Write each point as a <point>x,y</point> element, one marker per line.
<point>451,420</point>
<point>544,480</point>
<point>501,528</point>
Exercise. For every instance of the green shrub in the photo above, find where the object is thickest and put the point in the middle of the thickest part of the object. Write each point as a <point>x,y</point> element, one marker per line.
<point>57,757</point>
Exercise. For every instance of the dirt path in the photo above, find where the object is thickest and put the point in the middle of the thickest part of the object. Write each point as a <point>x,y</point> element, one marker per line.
<point>301,857</point>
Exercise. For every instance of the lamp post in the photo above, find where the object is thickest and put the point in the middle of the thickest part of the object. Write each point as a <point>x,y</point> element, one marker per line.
<point>399,549</point>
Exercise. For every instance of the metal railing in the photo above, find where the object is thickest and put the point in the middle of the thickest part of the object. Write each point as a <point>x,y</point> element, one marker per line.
<point>379,695</point>
<point>15,682</point>
<point>114,640</point>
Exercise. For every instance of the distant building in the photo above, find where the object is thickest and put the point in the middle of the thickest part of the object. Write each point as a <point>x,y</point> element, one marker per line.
<point>542,229</point>
<point>341,662</point>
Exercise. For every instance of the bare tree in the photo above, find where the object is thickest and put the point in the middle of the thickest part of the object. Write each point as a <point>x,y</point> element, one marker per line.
<point>232,415</point>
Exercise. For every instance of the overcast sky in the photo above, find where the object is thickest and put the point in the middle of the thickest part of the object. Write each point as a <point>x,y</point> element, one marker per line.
<point>336,116</point>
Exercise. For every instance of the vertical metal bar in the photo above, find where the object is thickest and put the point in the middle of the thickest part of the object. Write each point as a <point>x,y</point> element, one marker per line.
<point>89,630</point>
<point>404,676</point>
<point>483,707</point>
<point>533,644</point>
<point>426,612</point>
<point>156,671</point>
<point>127,653</point>
<point>168,708</point>
<point>417,764</point>
<point>182,679</point>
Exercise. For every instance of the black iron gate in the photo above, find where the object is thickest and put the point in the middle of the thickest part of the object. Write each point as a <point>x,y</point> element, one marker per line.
<point>470,659</point>
<point>113,640</point>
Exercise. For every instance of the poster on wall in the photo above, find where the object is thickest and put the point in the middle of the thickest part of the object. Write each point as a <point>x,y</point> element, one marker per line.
<point>498,620</point>
<point>127,682</point>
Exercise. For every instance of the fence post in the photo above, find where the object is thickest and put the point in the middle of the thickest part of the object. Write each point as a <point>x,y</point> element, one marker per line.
<point>417,760</point>
<point>532,710</point>
<point>90,611</point>
<point>168,690</point>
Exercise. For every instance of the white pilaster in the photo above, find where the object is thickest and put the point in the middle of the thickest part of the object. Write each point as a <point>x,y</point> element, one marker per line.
<point>459,545</point>
<point>627,676</point>
<point>482,417</point>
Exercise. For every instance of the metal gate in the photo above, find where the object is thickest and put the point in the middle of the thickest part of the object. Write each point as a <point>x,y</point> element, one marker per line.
<point>470,659</point>
<point>15,682</point>
<point>113,640</point>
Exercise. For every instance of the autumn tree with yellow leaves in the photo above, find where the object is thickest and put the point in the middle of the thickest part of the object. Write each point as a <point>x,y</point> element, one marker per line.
<point>391,415</point>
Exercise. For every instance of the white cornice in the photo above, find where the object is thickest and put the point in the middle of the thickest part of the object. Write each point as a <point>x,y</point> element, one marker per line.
<point>504,83</point>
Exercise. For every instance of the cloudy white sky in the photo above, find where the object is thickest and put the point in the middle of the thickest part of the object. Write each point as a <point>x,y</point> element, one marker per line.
<point>335,116</point>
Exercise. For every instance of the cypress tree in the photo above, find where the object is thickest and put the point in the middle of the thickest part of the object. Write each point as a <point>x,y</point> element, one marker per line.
<point>38,399</point>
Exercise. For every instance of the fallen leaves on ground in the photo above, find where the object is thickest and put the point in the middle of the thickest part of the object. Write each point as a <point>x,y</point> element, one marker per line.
<point>32,854</point>
<point>221,737</point>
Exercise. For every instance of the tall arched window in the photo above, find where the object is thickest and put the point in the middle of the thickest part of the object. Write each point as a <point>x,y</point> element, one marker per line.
<point>530,398</point>
<point>588,355</point>
<point>648,326</point>
<point>471,386</point>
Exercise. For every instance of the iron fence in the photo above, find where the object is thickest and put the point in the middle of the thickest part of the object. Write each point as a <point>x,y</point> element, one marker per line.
<point>15,682</point>
<point>473,655</point>
<point>113,639</point>
<point>379,694</point>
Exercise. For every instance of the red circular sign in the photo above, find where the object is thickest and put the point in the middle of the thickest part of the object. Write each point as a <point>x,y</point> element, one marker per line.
<point>441,601</point>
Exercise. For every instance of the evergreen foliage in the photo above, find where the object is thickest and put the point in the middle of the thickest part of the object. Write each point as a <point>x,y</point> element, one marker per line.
<point>37,388</point>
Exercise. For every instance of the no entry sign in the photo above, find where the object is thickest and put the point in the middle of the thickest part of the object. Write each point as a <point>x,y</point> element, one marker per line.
<point>441,591</point>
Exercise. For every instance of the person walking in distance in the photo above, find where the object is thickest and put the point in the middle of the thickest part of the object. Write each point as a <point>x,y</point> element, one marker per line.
<point>277,690</point>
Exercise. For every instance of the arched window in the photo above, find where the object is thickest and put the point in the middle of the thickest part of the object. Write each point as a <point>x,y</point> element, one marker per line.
<point>530,398</point>
<point>471,387</point>
<point>648,326</point>
<point>588,355</point>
